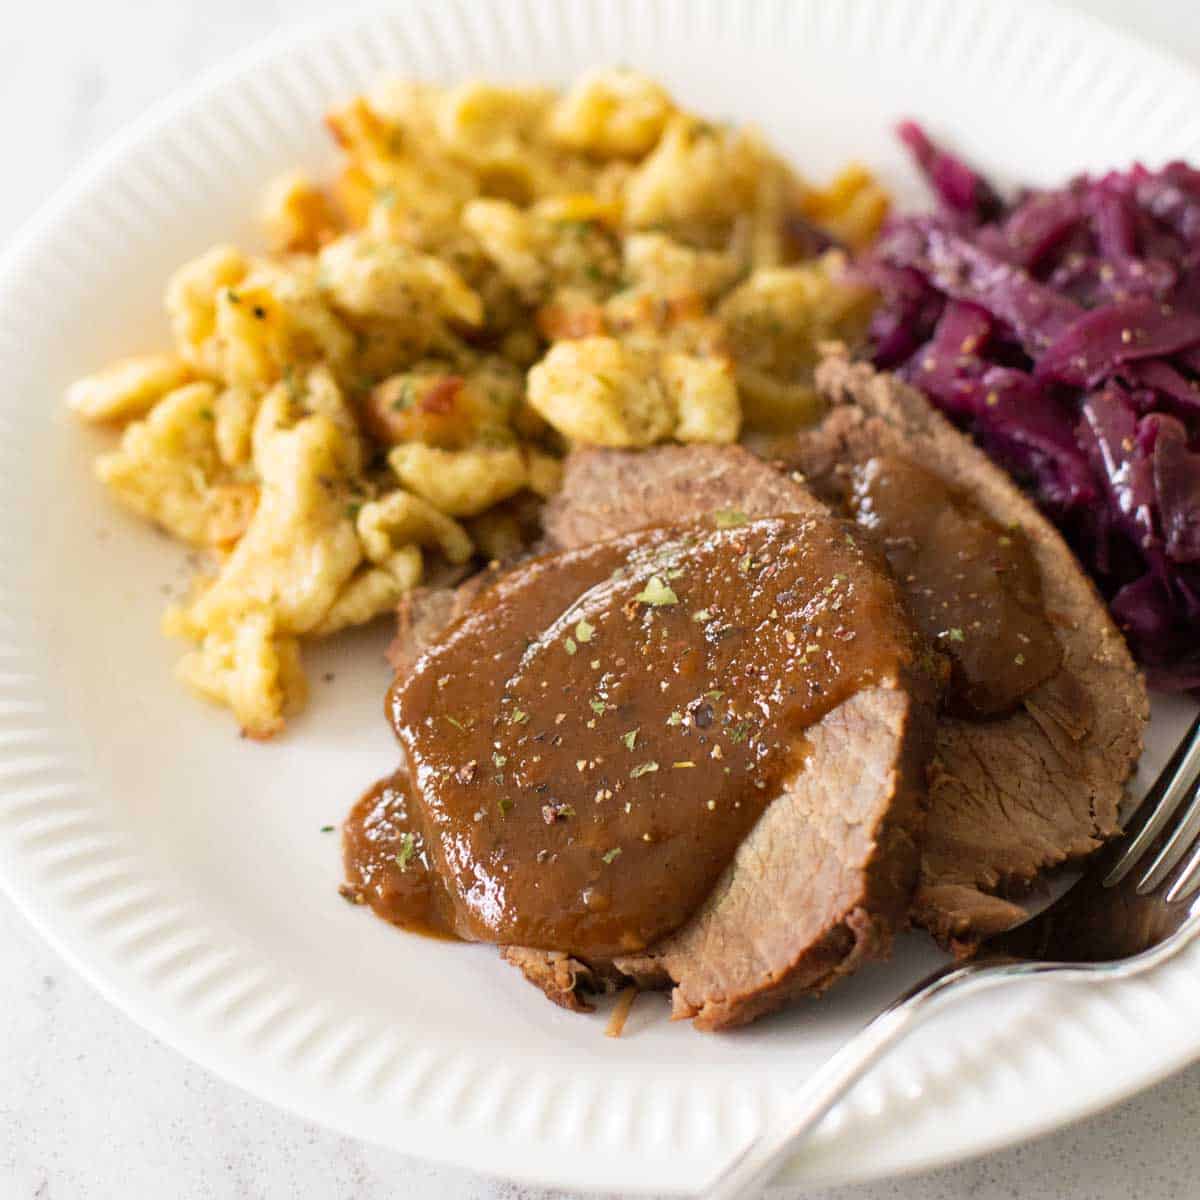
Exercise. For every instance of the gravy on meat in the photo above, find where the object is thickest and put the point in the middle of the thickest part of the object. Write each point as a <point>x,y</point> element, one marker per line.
<point>973,586</point>
<point>387,861</point>
<point>595,737</point>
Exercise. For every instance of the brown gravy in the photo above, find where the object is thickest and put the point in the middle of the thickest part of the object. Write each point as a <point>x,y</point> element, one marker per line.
<point>973,586</point>
<point>387,861</point>
<point>601,730</point>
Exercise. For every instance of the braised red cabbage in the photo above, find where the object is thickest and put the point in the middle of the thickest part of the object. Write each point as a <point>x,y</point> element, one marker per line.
<point>1062,330</point>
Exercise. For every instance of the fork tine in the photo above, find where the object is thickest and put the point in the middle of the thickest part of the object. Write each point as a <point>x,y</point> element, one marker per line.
<point>1188,881</point>
<point>1177,846</point>
<point>1181,782</point>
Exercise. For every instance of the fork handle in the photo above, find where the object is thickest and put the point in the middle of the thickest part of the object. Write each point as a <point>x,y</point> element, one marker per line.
<point>757,1164</point>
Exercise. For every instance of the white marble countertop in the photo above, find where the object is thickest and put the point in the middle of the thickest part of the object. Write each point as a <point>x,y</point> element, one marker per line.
<point>90,1105</point>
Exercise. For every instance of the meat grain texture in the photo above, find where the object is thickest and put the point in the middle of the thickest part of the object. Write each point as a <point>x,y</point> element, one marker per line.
<point>1014,797</point>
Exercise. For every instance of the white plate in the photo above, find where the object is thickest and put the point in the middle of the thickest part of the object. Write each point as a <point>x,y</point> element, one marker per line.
<point>183,871</point>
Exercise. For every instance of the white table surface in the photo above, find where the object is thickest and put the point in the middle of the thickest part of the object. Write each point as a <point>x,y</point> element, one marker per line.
<point>90,1105</point>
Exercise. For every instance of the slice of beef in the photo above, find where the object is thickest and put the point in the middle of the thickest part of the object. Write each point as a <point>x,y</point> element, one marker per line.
<point>820,884</point>
<point>421,615</point>
<point>823,880</point>
<point>420,618</point>
<point>425,611</point>
<point>563,979</point>
<point>826,875</point>
<point>608,492</point>
<point>1011,797</point>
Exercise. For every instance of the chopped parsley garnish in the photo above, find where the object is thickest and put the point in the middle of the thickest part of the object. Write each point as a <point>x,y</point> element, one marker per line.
<point>739,731</point>
<point>326,828</point>
<point>518,716</point>
<point>598,707</point>
<point>504,804</point>
<point>584,631</point>
<point>611,855</point>
<point>746,564</point>
<point>676,718</point>
<point>656,593</point>
<point>955,634</point>
<point>457,724</point>
<point>499,759</point>
<point>727,518</point>
<point>702,615</point>
<point>647,768</point>
<point>408,847</point>
<point>714,695</point>
<point>569,645</point>
<point>630,738</point>
<point>405,398</point>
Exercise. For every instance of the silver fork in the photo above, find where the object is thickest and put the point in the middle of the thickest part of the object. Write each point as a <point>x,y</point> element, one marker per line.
<point>1136,905</point>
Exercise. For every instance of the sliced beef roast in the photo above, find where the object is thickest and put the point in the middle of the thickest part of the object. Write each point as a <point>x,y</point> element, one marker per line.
<point>826,875</point>
<point>1013,796</point>
<point>424,612</point>
<point>822,882</point>
<point>608,492</point>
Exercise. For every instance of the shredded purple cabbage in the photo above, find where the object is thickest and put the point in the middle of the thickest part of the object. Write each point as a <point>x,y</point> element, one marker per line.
<point>1062,330</point>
